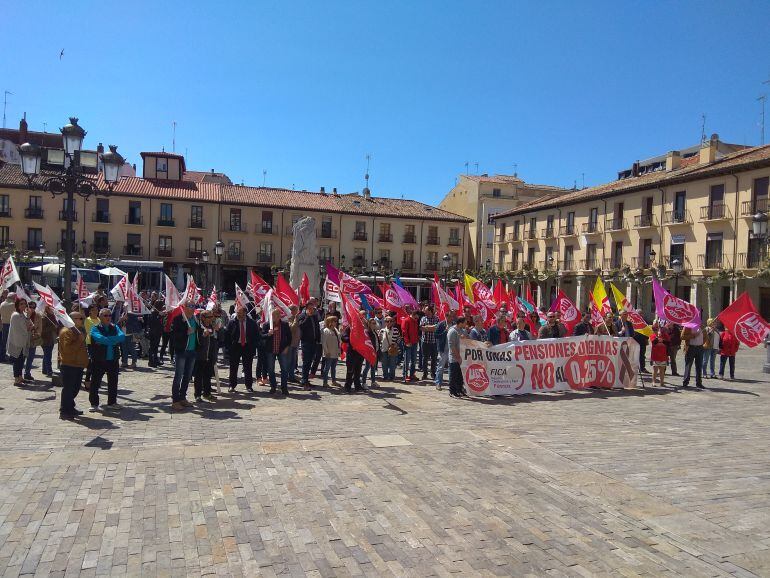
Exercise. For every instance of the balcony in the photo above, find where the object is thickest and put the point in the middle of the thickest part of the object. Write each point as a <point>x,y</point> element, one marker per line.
<point>530,234</point>
<point>677,218</point>
<point>614,263</point>
<point>166,222</point>
<point>568,265</point>
<point>686,265</point>
<point>547,233</point>
<point>715,212</point>
<point>407,265</point>
<point>645,221</point>
<point>133,220</point>
<point>500,238</point>
<point>409,238</point>
<point>64,215</point>
<point>7,244</point>
<point>751,260</point>
<point>265,258</point>
<point>323,233</point>
<point>266,228</point>
<point>100,249</point>
<point>567,231</point>
<point>132,251</point>
<point>359,235</point>
<point>433,241</point>
<point>713,261</point>
<point>5,213</point>
<point>33,213</point>
<point>589,264</point>
<point>514,236</point>
<point>385,238</point>
<point>591,228</point>
<point>235,226</point>
<point>431,266</point>
<point>616,224</point>
<point>234,256</point>
<point>754,206</point>
<point>547,265</point>
<point>194,253</point>
<point>100,217</point>
<point>643,262</point>
<point>164,252</point>
<point>196,224</point>
<point>453,241</point>
<point>62,246</point>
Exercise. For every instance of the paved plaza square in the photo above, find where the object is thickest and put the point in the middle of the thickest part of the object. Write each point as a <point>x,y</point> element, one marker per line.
<point>403,481</point>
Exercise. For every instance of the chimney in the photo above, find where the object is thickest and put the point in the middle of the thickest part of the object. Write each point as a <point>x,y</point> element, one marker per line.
<point>323,190</point>
<point>635,169</point>
<point>367,194</point>
<point>100,148</point>
<point>708,150</point>
<point>334,192</point>
<point>212,171</point>
<point>23,129</point>
<point>673,160</point>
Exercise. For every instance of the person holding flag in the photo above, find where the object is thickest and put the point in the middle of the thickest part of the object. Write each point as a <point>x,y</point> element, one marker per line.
<point>309,338</point>
<point>244,338</point>
<point>277,337</point>
<point>184,331</point>
<point>73,358</point>
<point>6,310</point>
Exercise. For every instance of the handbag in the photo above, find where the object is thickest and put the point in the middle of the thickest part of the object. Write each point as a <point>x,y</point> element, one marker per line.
<point>392,348</point>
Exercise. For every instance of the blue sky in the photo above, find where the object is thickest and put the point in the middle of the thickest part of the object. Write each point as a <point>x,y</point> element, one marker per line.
<point>305,90</point>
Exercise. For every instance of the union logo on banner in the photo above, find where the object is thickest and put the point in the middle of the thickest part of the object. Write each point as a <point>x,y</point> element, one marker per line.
<point>677,310</point>
<point>476,377</point>
<point>568,311</point>
<point>750,329</point>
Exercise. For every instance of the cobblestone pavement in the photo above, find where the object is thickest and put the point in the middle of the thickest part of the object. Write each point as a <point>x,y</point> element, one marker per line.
<point>403,481</point>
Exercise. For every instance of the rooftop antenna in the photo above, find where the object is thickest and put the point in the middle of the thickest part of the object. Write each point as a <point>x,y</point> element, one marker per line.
<point>477,166</point>
<point>173,136</point>
<point>515,170</point>
<point>703,128</point>
<point>5,103</point>
<point>264,176</point>
<point>583,177</point>
<point>366,175</point>
<point>466,167</point>
<point>45,127</point>
<point>762,98</point>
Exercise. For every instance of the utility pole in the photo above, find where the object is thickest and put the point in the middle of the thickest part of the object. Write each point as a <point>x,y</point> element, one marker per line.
<point>5,104</point>
<point>762,100</point>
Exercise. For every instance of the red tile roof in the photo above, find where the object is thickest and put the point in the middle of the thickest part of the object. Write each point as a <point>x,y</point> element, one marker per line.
<point>206,177</point>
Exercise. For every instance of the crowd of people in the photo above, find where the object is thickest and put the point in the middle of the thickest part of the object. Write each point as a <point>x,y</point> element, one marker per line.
<point>107,339</point>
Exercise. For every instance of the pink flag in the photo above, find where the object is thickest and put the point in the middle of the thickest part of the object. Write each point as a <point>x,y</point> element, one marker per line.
<point>673,309</point>
<point>404,295</point>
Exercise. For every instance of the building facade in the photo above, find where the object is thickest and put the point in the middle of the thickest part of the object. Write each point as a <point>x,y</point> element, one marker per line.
<point>687,217</point>
<point>479,198</point>
<point>173,216</point>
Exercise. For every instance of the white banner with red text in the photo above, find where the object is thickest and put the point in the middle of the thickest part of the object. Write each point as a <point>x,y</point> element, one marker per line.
<point>542,365</point>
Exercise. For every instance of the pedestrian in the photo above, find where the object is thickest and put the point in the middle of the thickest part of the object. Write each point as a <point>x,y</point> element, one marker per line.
<point>155,332</point>
<point>354,361</point>
<point>410,336</point>
<point>693,353</point>
<point>457,331</point>
<point>133,330</point>
<point>428,325</point>
<point>674,334</point>
<point>294,347</point>
<point>48,339</point>
<point>710,347</point>
<point>477,332</point>
<point>7,308</point>
<point>309,336</point>
<point>205,357</point>
<point>18,336</point>
<point>245,339</point>
<point>184,338</point>
<point>659,360</point>
<point>442,347</point>
<point>584,326</point>
<point>91,320</point>
<point>73,359</point>
<point>106,338</point>
<point>498,334</point>
<point>389,348</point>
<point>728,347</point>
<point>277,348</point>
<point>369,369</point>
<point>35,339</point>
<point>551,329</point>
<point>165,338</point>
<point>330,349</point>
<point>521,333</point>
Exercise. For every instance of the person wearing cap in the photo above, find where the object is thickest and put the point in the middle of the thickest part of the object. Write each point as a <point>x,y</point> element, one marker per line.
<point>73,359</point>
<point>184,335</point>
<point>106,338</point>
<point>551,329</point>
<point>6,310</point>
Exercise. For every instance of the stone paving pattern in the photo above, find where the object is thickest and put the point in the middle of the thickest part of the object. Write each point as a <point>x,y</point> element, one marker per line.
<point>403,481</point>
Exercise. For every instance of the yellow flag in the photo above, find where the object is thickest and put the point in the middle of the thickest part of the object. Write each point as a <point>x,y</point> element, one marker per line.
<point>469,281</point>
<point>600,297</point>
<point>640,325</point>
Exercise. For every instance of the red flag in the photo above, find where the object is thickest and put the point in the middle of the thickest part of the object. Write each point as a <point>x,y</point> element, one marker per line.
<point>392,300</point>
<point>500,295</point>
<point>596,317</point>
<point>569,313</point>
<point>529,294</point>
<point>359,337</point>
<point>444,301</point>
<point>285,292</point>
<point>304,289</point>
<point>742,319</point>
<point>258,287</point>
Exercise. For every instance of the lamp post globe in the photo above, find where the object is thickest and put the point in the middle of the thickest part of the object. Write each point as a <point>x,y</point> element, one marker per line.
<point>219,249</point>
<point>30,159</point>
<point>676,265</point>
<point>72,135</point>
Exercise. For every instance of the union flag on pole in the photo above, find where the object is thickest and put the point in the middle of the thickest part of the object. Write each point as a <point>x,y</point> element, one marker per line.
<point>172,293</point>
<point>191,293</point>
<point>9,275</point>
<point>741,317</point>
<point>359,337</point>
<point>120,290</point>
<point>673,309</point>
<point>52,300</point>
<point>82,290</point>
<point>601,298</point>
<point>596,317</point>
<point>304,289</point>
<point>285,292</point>
<point>569,313</point>
<point>640,325</point>
<point>213,299</point>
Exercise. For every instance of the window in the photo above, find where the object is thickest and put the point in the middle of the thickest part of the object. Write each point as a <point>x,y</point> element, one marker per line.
<point>617,255</point>
<point>713,251</point>
<point>134,216</point>
<point>549,259</point>
<point>235,220</point>
<point>549,226</point>
<point>165,248</point>
<point>161,166</point>
<point>454,236</point>
<point>68,209</point>
<point>359,257</point>
<point>195,247</point>
<point>36,202</point>
<point>360,233</point>
<point>531,257</point>
<point>433,235</point>
<point>326,228</point>
<point>618,215</point>
<point>569,258</point>
<point>516,230</point>
<point>679,207</point>
<point>432,257</point>
<point>196,217</point>
<point>532,227</point>
<point>454,260</point>
<point>408,258</point>
<point>63,240</point>
<point>265,252</point>
<point>756,251</point>
<point>409,234</point>
<point>267,222</point>
<point>324,254</point>
<point>133,244</point>
<point>677,249</point>
<point>384,260</point>
<point>495,192</point>
<point>234,250</point>
<point>101,242</point>
<point>102,210</point>
<point>385,235</point>
<point>593,220</point>
<point>716,202</point>
<point>590,263</point>
<point>646,260</point>
<point>759,195</point>
<point>4,236</point>
<point>515,259</point>
<point>34,239</point>
<point>166,218</point>
<point>570,229</point>
<point>501,259</point>
<point>5,206</point>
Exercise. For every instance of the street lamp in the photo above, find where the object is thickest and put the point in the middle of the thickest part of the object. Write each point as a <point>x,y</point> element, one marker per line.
<point>759,228</point>
<point>42,260</point>
<point>219,249</point>
<point>676,265</point>
<point>375,267</point>
<point>489,263</point>
<point>69,179</point>
<point>445,261</point>
<point>653,254</point>
<point>205,256</point>
<point>342,262</point>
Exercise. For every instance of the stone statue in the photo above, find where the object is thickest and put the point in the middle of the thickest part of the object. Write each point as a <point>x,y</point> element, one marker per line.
<point>304,255</point>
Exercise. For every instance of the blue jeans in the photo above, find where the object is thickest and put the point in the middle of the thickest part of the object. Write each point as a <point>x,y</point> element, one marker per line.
<point>330,363</point>
<point>709,355</point>
<point>388,365</point>
<point>370,370</point>
<point>184,365</point>
<point>410,358</point>
<point>28,362</point>
<point>285,362</point>
<point>3,342</point>
<point>128,346</point>
<point>47,354</point>
<point>443,359</point>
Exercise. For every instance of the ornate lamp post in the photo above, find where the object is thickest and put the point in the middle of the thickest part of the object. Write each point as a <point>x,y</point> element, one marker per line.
<point>445,261</point>
<point>676,265</point>
<point>342,262</point>
<point>69,179</point>
<point>42,259</point>
<point>205,256</point>
<point>759,228</point>
<point>219,249</point>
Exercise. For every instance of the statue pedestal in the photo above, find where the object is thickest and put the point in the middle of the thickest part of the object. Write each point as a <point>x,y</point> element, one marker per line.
<point>304,255</point>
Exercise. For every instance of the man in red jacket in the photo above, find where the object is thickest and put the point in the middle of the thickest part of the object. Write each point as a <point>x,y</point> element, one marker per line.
<point>410,335</point>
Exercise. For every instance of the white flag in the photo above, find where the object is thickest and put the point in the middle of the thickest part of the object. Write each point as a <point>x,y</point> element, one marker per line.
<point>9,275</point>
<point>213,298</point>
<point>21,293</point>
<point>50,298</point>
<point>120,290</point>
<point>172,294</point>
